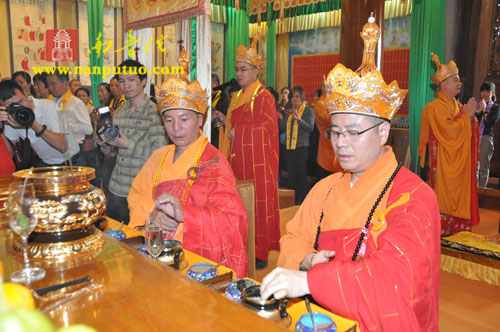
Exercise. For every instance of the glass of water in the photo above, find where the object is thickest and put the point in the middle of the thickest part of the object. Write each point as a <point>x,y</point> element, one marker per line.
<point>22,219</point>
<point>154,240</point>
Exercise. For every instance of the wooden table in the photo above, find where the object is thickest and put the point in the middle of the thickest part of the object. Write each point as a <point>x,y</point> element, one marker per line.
<point>295,308</point>
<point>137,294</point>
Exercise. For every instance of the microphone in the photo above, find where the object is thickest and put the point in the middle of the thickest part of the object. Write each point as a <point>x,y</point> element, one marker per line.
<point>225,85</point>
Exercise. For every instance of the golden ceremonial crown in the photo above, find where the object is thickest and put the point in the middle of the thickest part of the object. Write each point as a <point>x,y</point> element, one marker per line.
<point>250,55</point>
<point>180,93</point>
<point>364,91</point>
<point>443,71</point>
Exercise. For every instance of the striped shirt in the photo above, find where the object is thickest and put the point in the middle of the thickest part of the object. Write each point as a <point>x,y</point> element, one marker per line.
<point>145,131</point>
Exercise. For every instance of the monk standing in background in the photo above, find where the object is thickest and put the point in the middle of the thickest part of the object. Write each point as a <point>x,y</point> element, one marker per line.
<point>326,156</point>
<point>251,144</point>
<point>450,134</point>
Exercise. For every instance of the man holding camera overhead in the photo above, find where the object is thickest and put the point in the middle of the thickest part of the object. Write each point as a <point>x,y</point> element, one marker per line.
<point>140,134</point>
<point>44,132</point>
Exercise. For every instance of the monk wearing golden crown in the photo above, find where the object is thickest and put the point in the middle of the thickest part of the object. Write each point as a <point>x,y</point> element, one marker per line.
<point>450,134</point>
<point>251,144</point>
<point>188,187</point>
<point>365,242</point>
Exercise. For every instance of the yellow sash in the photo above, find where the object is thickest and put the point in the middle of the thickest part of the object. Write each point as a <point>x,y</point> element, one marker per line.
<point>291,144</point>
<point>216,100</point>
<point>64,100</point>
<point>240,99</point>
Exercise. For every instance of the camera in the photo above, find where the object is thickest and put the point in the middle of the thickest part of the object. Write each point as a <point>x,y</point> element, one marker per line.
<point>110,131</point>
<point>22,115</point>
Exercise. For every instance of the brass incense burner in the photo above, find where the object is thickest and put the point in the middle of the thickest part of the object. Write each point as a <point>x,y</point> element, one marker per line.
<point>67,207</point>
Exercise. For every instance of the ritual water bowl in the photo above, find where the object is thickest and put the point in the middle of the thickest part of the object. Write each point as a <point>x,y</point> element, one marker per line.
<point>271,308</point>
<point>323,323</point>
<point>67,207</point>
<point>201,271</point>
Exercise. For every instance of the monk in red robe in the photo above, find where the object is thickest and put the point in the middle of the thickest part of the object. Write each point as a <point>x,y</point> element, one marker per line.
<point>251,143</point>
<point>188,187</point>
<point>365,242</point>
<point>450,134</point>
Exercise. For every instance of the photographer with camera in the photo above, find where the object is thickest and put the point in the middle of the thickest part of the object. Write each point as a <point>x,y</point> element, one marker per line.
<point>24,117</point>
<point>136,130</point>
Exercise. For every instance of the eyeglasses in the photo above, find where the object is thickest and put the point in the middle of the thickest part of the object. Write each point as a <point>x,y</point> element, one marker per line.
<point>349,135</point>
<point>237,70</point>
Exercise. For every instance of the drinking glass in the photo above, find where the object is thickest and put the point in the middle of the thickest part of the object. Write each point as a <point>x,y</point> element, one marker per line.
<point>23,220</point>
<point>154,240</point>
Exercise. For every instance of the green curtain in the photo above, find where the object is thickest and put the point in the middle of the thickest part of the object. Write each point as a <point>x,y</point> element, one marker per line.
<point>236,34</point>
<point>194,51</point>
<point>427,35</point>
<point>271,54</point>
<point>95,9</point>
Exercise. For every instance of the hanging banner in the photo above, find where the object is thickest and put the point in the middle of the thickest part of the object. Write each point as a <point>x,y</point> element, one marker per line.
<point>150,13</point>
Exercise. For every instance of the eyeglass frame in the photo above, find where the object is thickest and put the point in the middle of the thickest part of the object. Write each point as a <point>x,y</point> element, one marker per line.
<point>330,137</point>
<point>236,69</point>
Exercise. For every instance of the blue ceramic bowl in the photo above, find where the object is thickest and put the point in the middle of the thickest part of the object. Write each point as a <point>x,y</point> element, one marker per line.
<point>233,292</point>
<point>323,322</point>
<point>116,234</point>
<point>201,271</point>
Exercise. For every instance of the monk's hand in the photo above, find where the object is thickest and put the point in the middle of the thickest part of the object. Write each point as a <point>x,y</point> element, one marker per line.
<point>470,107</point>
<point>160,219</point>
<point>322,256</point>
<point>231,133</point>
<point>171,206</point>
<point>284,283</point>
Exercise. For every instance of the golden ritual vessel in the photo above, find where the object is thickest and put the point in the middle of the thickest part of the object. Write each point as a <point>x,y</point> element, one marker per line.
<point>67,207</point>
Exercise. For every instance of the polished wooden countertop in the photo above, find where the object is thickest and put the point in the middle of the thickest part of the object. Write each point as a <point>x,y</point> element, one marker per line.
<point>135,293</point>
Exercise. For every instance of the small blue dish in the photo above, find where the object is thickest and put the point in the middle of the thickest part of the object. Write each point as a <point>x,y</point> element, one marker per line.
<point>201,271</point>
<point>233,292</point>
<point>116,234</point>
<point>323,323</point>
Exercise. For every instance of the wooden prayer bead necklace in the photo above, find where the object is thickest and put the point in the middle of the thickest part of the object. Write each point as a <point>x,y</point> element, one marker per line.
<point>364,231</point>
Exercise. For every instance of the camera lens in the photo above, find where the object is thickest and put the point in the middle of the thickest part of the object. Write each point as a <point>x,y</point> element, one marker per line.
<point>111,133</point>
<point>22,115</point>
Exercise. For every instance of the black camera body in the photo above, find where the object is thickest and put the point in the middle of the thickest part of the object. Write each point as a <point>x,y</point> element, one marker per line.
<point>110,131</point>
<point>21,114</point>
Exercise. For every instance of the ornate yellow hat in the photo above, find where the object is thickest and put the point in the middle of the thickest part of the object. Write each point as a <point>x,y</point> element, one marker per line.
<point>443,71</point>
<point>250,55</point>
<point>364,91</point>
<point>180,93</point>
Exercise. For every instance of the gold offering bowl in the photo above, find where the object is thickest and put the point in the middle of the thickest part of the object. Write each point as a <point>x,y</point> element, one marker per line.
<point>67,207</point>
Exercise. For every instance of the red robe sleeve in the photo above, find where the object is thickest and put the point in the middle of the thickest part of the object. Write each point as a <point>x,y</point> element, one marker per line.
<point>215,219</point>
<point>396,286</point>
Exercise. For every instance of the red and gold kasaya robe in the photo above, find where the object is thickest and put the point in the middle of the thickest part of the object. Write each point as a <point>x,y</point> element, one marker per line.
<point>452,138</point>
<point>215,220</point>
<point>395,286</point>
<point>253,154</point>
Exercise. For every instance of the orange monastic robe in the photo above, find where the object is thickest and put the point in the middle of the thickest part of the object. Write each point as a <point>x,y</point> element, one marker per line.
<point>253,154</point>
<point>395,286</point>
<point>326,156</point>
<point>215,221</point>
<point>453,177</point>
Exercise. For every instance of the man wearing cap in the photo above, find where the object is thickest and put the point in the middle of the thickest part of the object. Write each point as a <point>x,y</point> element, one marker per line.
<point>251,144</point>
<point>450,134</point>
<point>188,187</point>
<point>365,242</point>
